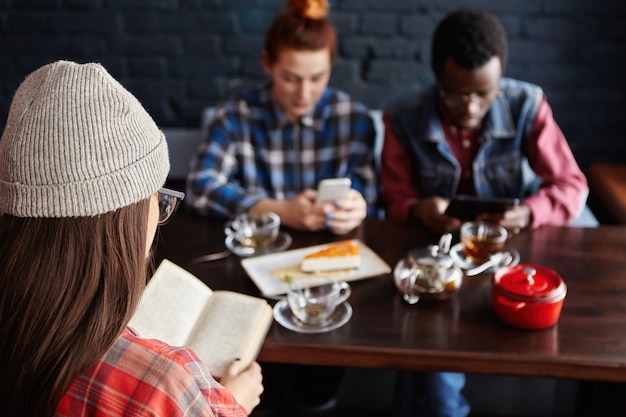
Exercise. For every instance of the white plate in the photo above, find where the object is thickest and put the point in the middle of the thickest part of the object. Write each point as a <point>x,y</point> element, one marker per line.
<point>462,261</point>
<point>260,268</point>
<point>285,317</point>
<point>282,242</point>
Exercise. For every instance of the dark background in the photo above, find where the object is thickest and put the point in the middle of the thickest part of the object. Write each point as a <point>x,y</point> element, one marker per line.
<point>179,56</point>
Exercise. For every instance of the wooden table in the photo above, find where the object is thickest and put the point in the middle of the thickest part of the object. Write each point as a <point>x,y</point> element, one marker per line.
<point>461,334</point>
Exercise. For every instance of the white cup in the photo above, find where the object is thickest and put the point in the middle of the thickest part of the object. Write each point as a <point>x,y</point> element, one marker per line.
<point>254,232</point>
<point>313,300</point>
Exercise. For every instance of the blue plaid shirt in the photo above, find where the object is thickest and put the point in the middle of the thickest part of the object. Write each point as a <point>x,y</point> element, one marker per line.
<point>251,152</point>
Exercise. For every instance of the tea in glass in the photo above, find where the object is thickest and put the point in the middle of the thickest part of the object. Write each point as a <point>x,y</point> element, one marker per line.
<point>254,232</point>
<point>480,240</point>
<point>313,300</point>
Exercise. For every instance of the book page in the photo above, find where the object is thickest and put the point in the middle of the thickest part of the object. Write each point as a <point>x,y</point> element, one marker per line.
<point>233,326</point>
<point>170,305</point>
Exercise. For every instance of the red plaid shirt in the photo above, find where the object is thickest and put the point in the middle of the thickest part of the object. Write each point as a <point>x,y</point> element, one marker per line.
<point>144,377</point>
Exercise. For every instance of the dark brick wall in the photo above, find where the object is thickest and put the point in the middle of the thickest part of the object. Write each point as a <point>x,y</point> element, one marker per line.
<point>179,56</point>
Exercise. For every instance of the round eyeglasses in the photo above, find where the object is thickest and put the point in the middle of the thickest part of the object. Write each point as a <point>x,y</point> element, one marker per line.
<point>460,99</point>
<point>168,203</point>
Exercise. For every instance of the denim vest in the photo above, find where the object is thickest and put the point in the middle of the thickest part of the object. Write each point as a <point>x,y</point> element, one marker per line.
<point>500,168</point>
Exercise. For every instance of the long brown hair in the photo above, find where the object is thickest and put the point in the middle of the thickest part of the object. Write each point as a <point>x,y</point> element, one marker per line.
<point>68,287</point>
<point>303,27</point>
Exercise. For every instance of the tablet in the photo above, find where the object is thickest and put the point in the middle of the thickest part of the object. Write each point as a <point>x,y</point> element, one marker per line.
<point>469,207</point>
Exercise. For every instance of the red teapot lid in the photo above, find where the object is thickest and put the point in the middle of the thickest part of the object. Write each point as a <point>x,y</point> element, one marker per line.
<point>529,282</point>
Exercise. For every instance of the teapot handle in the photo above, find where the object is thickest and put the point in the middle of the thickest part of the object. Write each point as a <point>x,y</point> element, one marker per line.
<point>410,295</point>
<point>444,243</point>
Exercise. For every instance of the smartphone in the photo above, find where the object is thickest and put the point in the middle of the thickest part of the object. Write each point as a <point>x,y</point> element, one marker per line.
<point>333,189</point>
<point>468,207</point>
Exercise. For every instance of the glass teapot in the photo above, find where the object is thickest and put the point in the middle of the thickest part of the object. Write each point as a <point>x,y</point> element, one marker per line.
<point>428,273</point>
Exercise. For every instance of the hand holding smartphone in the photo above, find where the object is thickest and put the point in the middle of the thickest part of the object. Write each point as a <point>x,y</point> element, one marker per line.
<point>333,189</point>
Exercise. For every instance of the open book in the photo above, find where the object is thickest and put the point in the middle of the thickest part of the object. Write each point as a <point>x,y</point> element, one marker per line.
<point>221,326</point>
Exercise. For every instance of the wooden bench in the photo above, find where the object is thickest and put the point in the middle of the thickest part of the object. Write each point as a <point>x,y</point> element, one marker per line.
<point>607,183</point>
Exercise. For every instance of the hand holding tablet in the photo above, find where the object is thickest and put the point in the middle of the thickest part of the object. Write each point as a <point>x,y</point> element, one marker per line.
<point>469,207</point>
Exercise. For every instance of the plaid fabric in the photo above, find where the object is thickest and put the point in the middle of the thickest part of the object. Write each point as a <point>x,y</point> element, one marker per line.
<point>251,151</point>
<point>141,377</point>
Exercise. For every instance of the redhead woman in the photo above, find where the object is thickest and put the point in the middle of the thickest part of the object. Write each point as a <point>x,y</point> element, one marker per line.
<point>267,149</point>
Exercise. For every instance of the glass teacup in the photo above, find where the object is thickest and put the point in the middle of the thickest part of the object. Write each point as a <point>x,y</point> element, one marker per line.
<point>254,233</point>
<point>313,300</point>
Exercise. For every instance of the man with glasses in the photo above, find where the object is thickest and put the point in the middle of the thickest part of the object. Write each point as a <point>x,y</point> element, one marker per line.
<point>471,134</point>
<point>479,134</point>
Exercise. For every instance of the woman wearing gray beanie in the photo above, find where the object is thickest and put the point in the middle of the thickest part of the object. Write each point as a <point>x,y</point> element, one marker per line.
<point>81,166</point>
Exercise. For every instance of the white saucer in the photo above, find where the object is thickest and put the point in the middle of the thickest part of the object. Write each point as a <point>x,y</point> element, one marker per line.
<point>463,262</point>
<point>282,242</point>
<point>285,317</point>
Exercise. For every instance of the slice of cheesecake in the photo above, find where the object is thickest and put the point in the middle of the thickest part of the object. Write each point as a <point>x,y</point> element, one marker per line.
<point>335,256</point>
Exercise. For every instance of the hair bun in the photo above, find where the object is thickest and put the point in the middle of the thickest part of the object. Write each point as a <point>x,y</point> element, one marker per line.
<point>311,9</point>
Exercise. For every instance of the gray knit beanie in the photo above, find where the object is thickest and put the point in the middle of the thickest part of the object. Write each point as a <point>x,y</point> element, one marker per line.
<point>77,144</point>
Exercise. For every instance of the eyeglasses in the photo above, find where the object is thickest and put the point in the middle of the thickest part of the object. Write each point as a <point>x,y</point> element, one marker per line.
<point>168,202</point>
<point>460,99</point>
